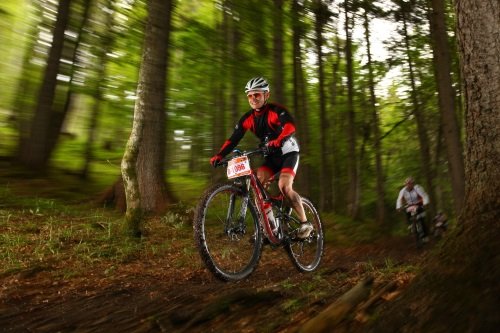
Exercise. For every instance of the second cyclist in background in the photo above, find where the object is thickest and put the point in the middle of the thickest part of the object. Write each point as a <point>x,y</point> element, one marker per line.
<point>414,195</point>
<point>270,121</point>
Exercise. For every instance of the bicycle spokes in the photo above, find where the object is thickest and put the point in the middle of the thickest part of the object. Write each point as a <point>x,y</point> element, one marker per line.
<point>306,253</point>
<point>226,229</point>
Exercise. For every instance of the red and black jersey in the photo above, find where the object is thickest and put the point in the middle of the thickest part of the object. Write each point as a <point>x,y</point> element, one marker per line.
<point>272,122</point>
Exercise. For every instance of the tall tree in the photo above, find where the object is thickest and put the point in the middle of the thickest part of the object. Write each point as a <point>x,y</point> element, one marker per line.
<point>375,121</point>
<point>143,164</point>
<point>458,288</point>
<point>278,67</point>
<point>299,94</point>
<point>353,195</point>
<point>35,149</point>
<point>418,112</point>
<point>446,95</point>
<point>234,58</point>
<point>103,48</point>
<point>322,15</point>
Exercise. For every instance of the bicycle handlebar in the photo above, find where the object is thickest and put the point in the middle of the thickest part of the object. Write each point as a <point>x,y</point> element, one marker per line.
<point>264,150</point>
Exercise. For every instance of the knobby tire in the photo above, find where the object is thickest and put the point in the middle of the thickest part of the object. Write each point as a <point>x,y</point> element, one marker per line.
<point>228,257</point>
<point>306,254</point>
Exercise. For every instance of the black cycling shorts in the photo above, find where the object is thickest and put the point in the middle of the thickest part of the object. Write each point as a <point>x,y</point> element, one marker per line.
<point>287,163</point>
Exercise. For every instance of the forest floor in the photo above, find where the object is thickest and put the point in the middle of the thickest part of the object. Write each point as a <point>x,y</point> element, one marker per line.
<point>153,296</point>
<point>72,273</point>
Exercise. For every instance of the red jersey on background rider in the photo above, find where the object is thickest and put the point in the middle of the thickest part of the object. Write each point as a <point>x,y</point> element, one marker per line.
<point>274,126</point>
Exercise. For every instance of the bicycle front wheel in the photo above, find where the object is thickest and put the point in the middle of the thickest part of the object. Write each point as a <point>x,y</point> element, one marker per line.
<point>306,254</point>
<point>227,233</point>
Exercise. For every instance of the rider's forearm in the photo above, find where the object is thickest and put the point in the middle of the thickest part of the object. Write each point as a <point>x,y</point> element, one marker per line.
<point>226,148</point>
<point>288,130</point>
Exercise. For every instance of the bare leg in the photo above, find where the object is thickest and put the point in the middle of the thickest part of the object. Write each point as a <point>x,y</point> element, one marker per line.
<point>285,185</point>
<point>263,176</point>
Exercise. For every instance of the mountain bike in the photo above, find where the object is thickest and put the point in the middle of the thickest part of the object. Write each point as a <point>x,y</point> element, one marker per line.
<point>233,219</point>
<point>417,214</point>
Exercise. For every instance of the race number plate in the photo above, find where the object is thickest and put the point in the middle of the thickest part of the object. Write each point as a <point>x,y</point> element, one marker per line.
<point>238,166</point>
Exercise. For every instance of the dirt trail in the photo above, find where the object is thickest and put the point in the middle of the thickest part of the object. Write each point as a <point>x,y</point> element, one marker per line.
<point>149,298</point>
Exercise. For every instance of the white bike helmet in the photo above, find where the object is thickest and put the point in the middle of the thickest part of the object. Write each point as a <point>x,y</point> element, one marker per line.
<point>257,83</point>
<point>409,180</point>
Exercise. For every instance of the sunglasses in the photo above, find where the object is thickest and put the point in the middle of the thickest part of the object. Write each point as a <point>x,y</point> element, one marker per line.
<point>257,95</point>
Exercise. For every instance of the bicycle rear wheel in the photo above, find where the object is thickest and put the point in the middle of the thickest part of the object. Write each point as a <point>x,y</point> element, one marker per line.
<point>306,254</point>
<point>419,232</point>
<point>227,233</point>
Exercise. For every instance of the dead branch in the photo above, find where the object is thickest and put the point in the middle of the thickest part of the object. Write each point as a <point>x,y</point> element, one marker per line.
<point>339,310</point>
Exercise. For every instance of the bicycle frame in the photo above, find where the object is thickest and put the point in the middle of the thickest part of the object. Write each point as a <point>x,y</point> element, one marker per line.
<point>261,195</point>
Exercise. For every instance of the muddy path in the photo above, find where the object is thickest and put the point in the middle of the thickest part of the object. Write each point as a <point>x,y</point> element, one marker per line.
<point>152,297</point>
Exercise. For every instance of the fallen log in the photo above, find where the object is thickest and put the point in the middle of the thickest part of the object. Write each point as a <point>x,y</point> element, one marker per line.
<point>391,286</point>
<point>326,320</point>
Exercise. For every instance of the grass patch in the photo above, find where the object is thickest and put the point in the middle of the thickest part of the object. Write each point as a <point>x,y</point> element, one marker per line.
<point>74,237</point>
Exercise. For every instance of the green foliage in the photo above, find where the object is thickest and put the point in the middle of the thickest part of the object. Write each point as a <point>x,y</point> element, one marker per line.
<point>215,47</point>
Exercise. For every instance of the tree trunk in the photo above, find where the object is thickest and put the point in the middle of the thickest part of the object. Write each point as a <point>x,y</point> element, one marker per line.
<point>155,193</point>
<point>219,114</point>
<point>234,37</point>
<point>442,67</point>
<point>352,202</point>
<point>278,67</point>
<point>103,50</point>
<point>22,109</point>
<point>299,99</point>
<point>35,150</point>
<point>425,155</point>
<point>380,215</point>
<point>321,18</point>
<point>143,162</point>
<point>457,290</point>
<point>337,197</point>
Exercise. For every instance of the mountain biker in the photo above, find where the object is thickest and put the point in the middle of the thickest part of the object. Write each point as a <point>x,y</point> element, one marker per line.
<point>414,195</point>
<point>270,121</point>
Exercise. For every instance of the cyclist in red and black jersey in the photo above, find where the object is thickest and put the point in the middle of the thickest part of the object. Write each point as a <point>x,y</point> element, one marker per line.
<point>273,124</point>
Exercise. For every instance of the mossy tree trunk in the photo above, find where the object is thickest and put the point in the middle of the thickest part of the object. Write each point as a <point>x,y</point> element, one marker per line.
<point>143,161</point>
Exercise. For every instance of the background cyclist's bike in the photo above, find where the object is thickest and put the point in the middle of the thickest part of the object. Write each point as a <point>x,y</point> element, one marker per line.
<point>233,219</point>
<point>417,214</point>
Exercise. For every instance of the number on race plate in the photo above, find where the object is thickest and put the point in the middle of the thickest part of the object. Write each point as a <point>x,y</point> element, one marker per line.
<point>238,166</point>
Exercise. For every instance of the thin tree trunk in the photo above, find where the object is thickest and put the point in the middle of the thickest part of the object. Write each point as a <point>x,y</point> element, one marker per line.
<point>278,67</point>
<point>425,156</point>
<point>336,160</point>
<point>352,204</point>
<point>36,153</point>
<point>21,108</point>
<point>379,172</point>
<point>299,98</point>
<point>446,95</point>
<point>219,114</point>
<point>321,13</point>
<point>235,59</point>
<point>101,71</point>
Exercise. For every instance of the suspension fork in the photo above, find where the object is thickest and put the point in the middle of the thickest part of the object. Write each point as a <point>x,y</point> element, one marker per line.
<point>244,201</point>
<point>239,226</point>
